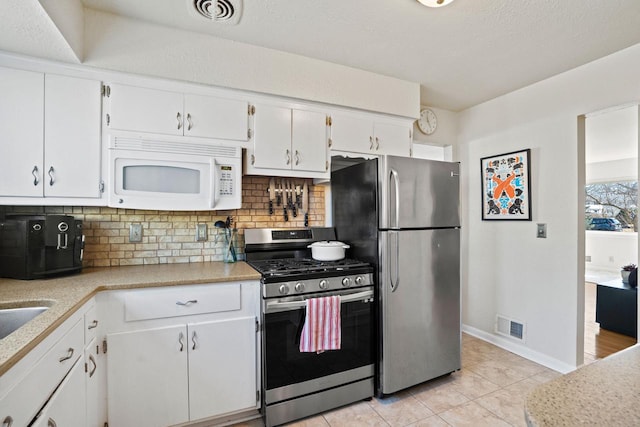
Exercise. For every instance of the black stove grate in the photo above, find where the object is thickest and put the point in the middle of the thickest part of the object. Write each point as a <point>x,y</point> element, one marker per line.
<point>306,267</point>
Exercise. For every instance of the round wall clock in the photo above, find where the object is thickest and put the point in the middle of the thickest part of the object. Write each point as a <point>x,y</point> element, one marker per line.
<point>428,122</point>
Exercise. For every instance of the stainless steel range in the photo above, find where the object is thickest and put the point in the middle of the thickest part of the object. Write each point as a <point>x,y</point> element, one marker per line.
<point>298,384</point>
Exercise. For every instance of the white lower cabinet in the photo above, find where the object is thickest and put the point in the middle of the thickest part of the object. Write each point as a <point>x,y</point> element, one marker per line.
<point>66,406</point>
<point>222,367</point>
<point>181,368</point>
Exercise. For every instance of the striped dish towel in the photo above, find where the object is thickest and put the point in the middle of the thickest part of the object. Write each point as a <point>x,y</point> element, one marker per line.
<point>321,330</point>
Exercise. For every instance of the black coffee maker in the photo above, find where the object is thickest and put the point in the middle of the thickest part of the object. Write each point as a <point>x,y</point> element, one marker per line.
<point>39,246</point>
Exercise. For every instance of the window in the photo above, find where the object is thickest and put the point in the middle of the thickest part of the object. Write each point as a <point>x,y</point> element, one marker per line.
<point>612,206</point>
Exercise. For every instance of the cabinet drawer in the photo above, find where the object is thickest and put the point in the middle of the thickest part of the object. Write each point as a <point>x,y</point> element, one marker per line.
<point>25,400</point>
<point>181,301</point>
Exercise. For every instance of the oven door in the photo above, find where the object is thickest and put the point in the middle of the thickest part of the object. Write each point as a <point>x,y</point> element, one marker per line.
<point>289,373</point>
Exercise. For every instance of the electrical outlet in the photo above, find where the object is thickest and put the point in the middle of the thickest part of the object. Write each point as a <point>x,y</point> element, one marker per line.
<point>542,231</point>
<point>135,233</point>
<point>587,258</point>
<point>201,232</point>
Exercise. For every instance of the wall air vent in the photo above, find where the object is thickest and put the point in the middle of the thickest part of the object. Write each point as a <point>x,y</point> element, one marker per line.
<point>509,328</point>
<point>223,11</point>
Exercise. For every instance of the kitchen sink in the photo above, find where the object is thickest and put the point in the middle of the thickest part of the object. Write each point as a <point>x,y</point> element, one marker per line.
<point>12,318</point>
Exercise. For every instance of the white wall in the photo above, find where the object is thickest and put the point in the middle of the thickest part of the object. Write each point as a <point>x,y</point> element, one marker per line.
<point>610,250</point>
<point>122,44</point>
<point>506,269</point>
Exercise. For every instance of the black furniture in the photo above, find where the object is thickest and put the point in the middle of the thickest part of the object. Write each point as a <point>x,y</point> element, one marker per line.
<point>617,307</point>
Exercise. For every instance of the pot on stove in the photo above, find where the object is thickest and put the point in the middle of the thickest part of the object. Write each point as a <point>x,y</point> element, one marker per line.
<point>328,250</point>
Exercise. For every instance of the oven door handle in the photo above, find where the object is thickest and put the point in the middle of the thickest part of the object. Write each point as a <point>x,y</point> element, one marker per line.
<point>275,306</point>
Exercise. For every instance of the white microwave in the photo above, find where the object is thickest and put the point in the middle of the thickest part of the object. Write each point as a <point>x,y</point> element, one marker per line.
<point>169,173</point>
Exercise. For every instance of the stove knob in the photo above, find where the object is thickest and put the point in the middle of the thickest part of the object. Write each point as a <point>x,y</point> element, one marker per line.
<point>284,289</point>
<point>323,284</point>
<point>359,280</point>
<point>299,287</point>
<point>346,282</point>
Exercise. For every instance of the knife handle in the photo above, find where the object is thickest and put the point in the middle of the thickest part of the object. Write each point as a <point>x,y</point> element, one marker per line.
<point>294,211</point>
<point>270,207</point>
<point>286,215</point>
<point>306,219</point>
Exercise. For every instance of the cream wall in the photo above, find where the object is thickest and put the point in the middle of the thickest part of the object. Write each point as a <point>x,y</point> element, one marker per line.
<point>122,44</point>
<point>506,269</point>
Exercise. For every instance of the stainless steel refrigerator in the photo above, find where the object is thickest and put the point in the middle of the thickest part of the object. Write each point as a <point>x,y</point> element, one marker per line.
<point>402,215</point>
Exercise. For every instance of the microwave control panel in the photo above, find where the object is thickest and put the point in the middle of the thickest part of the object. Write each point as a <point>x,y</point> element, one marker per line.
<point>225,180</point>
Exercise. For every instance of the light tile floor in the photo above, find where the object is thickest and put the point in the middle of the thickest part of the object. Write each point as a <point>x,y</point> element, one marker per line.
<point>489,390</point>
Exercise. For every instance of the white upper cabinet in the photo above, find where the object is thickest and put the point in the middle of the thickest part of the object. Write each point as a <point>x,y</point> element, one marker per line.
<point>21,146</point>
<point>361,134</point>
<point>272,137</point>
<point>288,142</point>
<point>51,135</point>
<point>71,137</point>
<point>174,113</point>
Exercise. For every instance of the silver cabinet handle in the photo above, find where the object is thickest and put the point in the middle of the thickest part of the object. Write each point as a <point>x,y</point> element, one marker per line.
<point>191,301</point>
<point>297,156</point>
<point>377,143</point>
<point>180,340</point>
<point>179,119</point>
<point>34,172</point>
<point>93,361</point>
<point>51,176</point>
<point>93,325</point>
<point>189,121</point>
<point>68,356</point>
<point>51,423</point>
<point>8,421</point>
<point>370,143</point>
<point>288,157</point>
<point>193,340</point>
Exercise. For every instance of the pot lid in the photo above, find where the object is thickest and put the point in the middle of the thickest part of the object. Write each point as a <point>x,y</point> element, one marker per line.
<point>328,244</point>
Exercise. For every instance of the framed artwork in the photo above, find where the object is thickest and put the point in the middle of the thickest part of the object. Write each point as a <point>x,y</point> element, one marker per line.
<point>506,186</point>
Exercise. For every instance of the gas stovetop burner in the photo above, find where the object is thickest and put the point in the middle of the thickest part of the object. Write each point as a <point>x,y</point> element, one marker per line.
<point>293,266</point>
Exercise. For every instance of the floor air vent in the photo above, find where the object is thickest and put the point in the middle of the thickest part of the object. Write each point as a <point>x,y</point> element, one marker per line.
<point>509,328</point>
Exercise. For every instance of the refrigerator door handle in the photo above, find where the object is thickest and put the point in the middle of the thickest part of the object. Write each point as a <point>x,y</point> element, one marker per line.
<point>393,176</point>
<point>395,263</point>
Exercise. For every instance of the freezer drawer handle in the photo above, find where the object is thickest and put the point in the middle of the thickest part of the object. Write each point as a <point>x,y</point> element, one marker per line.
<point>295,305</point>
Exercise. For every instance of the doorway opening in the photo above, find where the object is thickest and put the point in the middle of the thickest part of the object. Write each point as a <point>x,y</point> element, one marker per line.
<point>610,229</point>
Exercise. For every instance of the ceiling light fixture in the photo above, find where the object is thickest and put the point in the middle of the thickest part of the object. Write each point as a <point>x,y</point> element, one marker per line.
<point>435,3</point>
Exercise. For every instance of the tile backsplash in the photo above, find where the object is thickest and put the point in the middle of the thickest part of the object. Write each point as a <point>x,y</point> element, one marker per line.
<point>170,236</point>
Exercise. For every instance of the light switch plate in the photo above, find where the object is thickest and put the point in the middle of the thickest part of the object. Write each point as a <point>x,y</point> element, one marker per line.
<point>201,232</point>
<point>135,233</point>
<point>542,231</point>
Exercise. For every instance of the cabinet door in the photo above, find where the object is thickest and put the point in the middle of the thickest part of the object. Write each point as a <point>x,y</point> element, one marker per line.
<point>272,139</point>
<point>309,141</point>
<point>147,377</point>
<point>71,137</point>
<point>218,118</point>
<point>67,405</point>
<point>145,110</point>
<point>349,133</point>
<point>95,385</point>
<point>392,139</point>
<point>21,121</point>
<point>222,367</point>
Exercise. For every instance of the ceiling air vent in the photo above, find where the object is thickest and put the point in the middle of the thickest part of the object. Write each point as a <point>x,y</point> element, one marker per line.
<point>223,11</point>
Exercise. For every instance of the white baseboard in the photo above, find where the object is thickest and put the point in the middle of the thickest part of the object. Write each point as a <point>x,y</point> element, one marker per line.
<point>520,350</point>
